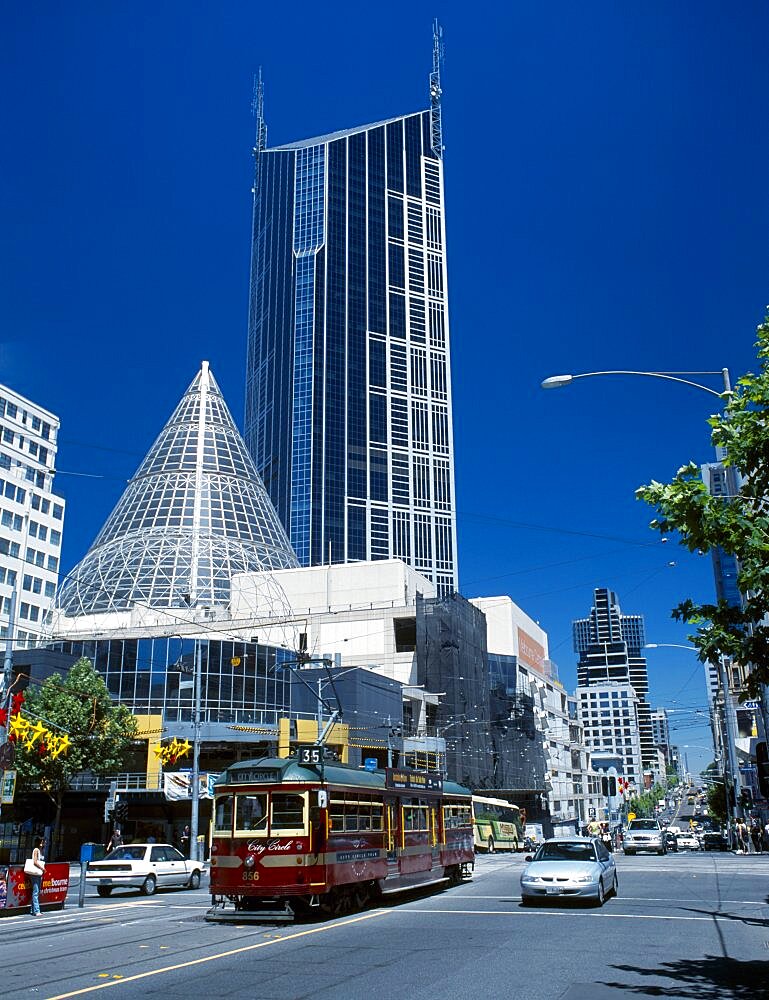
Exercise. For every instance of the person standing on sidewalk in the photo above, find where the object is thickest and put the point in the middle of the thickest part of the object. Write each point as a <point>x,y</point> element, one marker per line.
<point>37,880</point>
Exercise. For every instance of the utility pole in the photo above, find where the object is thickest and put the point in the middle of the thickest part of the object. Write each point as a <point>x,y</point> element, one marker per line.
<point>730,737</point>
<point>195,789</point>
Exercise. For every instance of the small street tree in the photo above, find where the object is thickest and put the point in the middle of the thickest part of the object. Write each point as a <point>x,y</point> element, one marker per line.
<point>739,525</point>
<point>99,733</point>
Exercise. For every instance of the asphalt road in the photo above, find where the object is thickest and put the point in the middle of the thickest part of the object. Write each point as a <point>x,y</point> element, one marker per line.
<point>685,925</point>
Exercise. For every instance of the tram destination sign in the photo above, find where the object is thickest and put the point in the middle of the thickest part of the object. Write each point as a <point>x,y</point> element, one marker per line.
<point>423,781</point>
<point>254,775</point>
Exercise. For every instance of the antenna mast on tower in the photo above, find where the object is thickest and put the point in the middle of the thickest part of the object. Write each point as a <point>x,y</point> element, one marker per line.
<point>436,129</point>
<point>257,108</point>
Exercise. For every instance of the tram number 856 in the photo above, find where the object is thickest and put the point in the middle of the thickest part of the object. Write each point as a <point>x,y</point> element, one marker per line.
<point>250,876</point>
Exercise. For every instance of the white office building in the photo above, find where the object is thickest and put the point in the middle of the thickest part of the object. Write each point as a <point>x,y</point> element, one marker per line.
<point>609,717</point>
<point>31,518</point>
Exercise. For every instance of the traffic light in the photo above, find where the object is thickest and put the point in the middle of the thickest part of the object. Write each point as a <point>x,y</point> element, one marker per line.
<point>762,768</point>
<point>612,786</point>
<point>121,812</point>
<point>604,785</point>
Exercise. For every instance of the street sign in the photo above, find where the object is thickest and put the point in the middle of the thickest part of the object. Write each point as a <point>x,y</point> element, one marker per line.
<point>8,788</point>
<point>630,816</point>
<point>371,763</point>
<point>311,754</point>
<point>750,704</point>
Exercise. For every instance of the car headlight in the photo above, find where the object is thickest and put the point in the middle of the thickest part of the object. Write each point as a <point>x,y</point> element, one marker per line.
<point>585,878</point>
<point>529,878</point>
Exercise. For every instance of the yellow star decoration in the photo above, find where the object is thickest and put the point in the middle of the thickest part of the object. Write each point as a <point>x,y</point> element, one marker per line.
<point>35,733</point>
<point>19,726</point>
<point>28,734</point>
<point>172,751</point>
<point>58,745</point>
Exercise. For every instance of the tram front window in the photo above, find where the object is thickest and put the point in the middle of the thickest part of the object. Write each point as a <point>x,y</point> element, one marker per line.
<point>287,812</point>
<point>223,816</point>
<point>251,813</point>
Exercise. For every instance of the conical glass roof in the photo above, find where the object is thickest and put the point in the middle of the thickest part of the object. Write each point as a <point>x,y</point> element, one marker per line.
<point>195,513</point>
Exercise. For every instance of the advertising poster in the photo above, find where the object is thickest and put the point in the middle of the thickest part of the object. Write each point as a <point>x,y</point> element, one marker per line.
<point>16,887</point>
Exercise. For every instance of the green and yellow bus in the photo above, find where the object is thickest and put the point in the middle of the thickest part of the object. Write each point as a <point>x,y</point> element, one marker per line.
<point>497,825</point>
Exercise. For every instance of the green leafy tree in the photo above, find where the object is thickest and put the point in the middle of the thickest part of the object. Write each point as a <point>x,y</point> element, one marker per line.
<point>737,524</point>
<point>99,731</point>
<point>717,801</point>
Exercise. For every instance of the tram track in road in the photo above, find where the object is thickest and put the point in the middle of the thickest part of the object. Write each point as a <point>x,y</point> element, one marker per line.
<point>123,979</point>
<point>168,941</point>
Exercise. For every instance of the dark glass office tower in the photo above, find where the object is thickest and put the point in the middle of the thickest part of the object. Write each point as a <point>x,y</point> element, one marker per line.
<point>348,389</point>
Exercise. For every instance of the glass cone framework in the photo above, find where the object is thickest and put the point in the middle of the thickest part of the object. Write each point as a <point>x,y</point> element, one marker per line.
<point>195,513</point>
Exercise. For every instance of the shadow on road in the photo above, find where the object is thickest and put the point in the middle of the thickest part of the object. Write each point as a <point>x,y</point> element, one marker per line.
<point>721,915</point>
<point>708,978</point>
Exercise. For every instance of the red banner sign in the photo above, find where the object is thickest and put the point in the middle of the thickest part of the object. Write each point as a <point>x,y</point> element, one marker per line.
<point>16,887</point>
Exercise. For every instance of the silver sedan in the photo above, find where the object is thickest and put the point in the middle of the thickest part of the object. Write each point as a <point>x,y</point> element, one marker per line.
<point>573,868</point>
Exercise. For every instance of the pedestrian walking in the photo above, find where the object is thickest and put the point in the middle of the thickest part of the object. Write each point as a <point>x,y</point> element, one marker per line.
<point>184,841</point>
<point>766,836</point>
<point>755,835</point>
<point>742,837</point>
<point>116,840</point>
<point>36,874</point>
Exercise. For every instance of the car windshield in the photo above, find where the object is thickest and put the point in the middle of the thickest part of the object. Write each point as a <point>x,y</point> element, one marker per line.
<point>565,851</point>
<point>644,824</point>
<point>132,852</point>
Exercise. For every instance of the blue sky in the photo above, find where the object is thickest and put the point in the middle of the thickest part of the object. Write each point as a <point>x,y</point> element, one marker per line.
<point>607,205</point>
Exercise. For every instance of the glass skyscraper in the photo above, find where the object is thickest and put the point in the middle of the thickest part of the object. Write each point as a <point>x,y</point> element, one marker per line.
<point>348,388</point>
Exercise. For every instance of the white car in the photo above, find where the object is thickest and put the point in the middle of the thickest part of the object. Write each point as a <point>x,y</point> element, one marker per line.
<point>687,842</point>
<point>146,867</point>
<point>573,868</point>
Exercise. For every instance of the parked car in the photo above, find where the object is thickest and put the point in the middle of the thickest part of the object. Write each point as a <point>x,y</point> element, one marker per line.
<point>574,868</point>
<point>644,835</point>
<point>146,867</point>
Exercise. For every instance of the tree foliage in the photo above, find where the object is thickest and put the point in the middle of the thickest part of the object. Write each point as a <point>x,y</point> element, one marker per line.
<point>739,525</point>
<point>79,705</point>
<point>645,804</point>
<point>717,801</point>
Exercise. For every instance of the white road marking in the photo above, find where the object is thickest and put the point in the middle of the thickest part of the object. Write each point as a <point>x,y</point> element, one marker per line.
<point>560,913</point>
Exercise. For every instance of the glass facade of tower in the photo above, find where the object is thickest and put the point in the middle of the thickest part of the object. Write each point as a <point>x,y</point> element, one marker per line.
<point>348,389</point>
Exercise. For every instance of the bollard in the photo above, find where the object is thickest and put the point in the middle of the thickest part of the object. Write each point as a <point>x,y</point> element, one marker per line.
<point>81,887</point>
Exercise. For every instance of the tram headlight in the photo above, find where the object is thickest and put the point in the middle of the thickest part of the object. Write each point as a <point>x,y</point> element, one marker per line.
<point>250,861</point>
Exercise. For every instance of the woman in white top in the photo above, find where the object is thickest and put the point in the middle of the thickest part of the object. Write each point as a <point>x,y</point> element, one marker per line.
<point>37,880</point>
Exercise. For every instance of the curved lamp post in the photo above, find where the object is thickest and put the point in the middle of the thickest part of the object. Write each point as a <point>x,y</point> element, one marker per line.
<point>559,381</point>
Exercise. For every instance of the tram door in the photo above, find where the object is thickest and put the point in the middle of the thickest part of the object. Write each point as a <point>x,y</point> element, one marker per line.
<point>436,834</point>
<point>392,838</point>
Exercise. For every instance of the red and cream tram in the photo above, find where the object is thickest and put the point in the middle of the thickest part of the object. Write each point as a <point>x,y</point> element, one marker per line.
<point>292,837</point>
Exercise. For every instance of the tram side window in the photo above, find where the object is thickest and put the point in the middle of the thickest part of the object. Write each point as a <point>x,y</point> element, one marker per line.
<point>223,817</point>
<point>352,814</point>
<point>251,813</point>
<point>415,816</point>
<point>287,811</point>
<point>455,816</point>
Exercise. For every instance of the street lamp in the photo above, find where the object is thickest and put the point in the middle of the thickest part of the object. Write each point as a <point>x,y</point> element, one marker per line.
<point>559,381</point>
